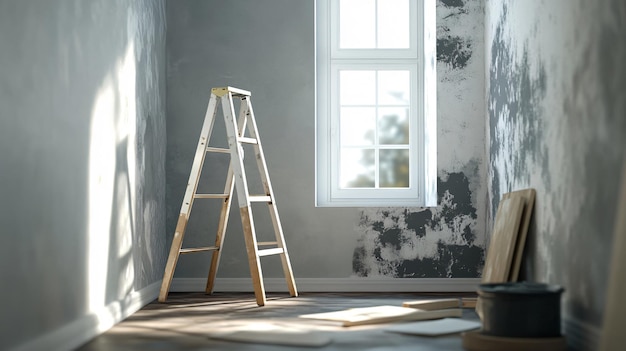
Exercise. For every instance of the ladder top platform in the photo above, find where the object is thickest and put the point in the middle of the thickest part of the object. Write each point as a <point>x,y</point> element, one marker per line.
<point>219,92</point>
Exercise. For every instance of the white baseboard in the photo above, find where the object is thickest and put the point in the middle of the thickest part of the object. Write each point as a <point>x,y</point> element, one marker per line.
<point>334,284</point>
<point>581,336</point>
<point>78,332</point>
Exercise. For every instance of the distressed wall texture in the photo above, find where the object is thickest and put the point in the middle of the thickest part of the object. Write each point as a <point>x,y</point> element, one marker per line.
<point>448,240</point>
<point>557,123</point>
<point>271,53</point>
<point>82,163</point>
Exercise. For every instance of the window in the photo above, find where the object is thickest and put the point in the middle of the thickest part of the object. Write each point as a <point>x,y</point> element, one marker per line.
<point>376,103</point>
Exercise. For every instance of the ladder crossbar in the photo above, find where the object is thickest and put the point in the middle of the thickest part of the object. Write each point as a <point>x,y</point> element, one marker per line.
<point>211,196</point>
<point>217,149</point>
<point>267,243</point>
<point>247,140</point>
<point>268,252</point>
<point>198,249</point>
<point>260,198</point>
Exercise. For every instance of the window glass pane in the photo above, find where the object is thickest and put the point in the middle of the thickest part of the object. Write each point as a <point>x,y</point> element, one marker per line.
<point>394,87</point>
<point>393,24</point>
<point>357,87</point>
<point>358,125</point>
<point>393,125</point>
<point>357,168</point>
<point>357,24</point>
<point>394,168</point>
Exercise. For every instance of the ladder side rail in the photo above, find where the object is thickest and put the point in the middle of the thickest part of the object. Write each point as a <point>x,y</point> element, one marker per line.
<point>243,200</point>
<point>198,160</point>
<point>221,231</point>
<point>273,209</point>
<point>187,203</point>
<point>224,214</point>
<point>258,149</point>
<point>236,157</point>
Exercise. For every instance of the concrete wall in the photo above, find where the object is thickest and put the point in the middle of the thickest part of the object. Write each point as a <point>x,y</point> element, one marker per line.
<point>268,47</point>
<point>557,123</point>
<point>82,166</point>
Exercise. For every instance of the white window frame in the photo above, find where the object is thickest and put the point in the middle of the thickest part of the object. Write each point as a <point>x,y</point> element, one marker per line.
<point>420,60</point>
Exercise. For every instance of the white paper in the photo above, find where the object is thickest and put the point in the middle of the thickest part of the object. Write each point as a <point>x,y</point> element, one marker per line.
<point>434,328</point>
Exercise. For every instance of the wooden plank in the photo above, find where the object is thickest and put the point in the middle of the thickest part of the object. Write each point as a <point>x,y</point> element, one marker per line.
<point>469,302</point>
<point>613,336</point>
<point>528,196</point>
<point>503,239</point>
<point>382,314</point>
<point>430,305</point>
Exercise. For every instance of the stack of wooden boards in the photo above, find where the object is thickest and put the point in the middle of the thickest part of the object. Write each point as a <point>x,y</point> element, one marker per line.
<point>506,248</point>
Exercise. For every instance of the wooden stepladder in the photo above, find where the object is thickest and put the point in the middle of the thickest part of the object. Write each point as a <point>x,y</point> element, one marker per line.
<point>236,130</point>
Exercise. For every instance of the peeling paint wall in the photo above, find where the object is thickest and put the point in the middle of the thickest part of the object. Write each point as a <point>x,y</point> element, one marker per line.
<point>82,165</point>
<point>271,53</point>
<point>447,240</point>
<point>557,123</point>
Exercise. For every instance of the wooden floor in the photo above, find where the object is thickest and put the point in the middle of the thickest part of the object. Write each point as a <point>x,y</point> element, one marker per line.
<point>187,320</point>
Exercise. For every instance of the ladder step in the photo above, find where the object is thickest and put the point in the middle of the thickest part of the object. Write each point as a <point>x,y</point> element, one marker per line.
<point>247,140</point>
<point>210,196</point>
<point>236,92</point>
<point>268,252</point>
<point>217,149</point>
<point>260,198</point>
<point>266,243</point>
<point>199,249</point>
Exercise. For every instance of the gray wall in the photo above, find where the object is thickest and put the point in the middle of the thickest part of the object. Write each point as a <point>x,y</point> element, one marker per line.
<point>267,47</point>
<point>557,123</point>
<point>82,160</point>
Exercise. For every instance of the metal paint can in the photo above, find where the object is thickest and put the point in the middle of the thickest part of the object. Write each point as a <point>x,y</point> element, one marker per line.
<point>523,309</point>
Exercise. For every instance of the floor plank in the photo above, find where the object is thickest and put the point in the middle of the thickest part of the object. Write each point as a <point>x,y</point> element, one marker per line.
<point>187,320</point>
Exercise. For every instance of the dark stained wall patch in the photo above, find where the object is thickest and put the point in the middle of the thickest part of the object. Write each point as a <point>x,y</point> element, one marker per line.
<point>432,243</point>
<point>447,240</point>
<point>514,101</point>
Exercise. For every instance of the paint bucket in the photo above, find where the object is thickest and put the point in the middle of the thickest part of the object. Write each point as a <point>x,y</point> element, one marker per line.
<point>522,310</point>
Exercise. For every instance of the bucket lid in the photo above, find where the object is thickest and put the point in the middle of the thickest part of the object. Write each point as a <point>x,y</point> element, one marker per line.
<point>520,288</point>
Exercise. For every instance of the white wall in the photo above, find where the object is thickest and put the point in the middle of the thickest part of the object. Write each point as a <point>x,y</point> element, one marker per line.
<point>557,123</point>
<point>268,48</point>
<point>82,166</point>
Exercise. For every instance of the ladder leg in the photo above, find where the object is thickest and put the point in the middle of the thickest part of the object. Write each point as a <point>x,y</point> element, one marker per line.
<point>172,259</point>
<point>225,212</point>
<point>267,185</point>
<point>284,257</point>
<point>221,231</point>
<point>185,209</point>
<point>253,256</point>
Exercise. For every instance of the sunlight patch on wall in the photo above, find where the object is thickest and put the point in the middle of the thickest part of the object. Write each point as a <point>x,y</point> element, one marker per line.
<point>112,184</point>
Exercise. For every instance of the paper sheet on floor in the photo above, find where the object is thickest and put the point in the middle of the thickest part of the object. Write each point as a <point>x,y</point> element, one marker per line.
<point>434,328</point>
